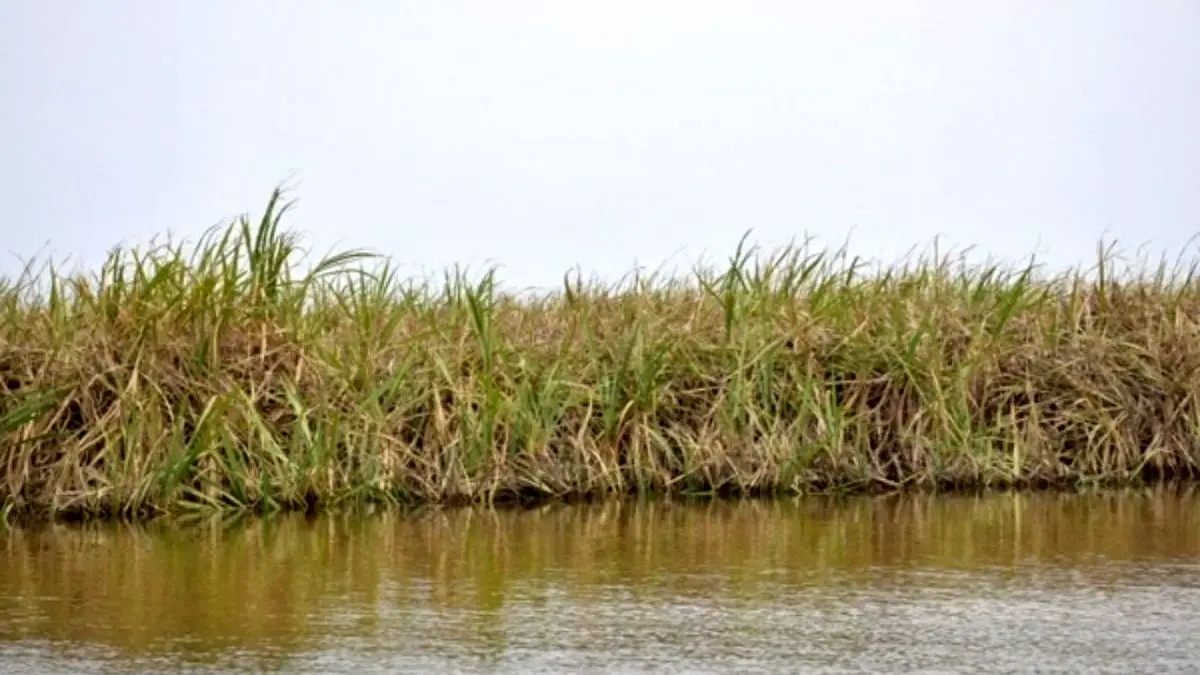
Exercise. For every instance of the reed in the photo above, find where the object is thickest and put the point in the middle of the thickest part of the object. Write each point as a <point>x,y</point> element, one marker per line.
<point>228,375</point>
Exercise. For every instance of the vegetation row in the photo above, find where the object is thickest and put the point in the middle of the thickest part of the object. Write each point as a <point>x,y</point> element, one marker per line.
<point>232,375</point>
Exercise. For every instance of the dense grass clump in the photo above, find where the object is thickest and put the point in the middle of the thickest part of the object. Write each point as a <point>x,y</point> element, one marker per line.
<point>220,376</point>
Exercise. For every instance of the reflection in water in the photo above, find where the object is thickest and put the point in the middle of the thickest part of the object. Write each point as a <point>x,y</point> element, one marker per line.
<point>1002,583</point>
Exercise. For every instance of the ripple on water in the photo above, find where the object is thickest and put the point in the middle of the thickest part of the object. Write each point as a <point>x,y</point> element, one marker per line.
<point>1000,584</point>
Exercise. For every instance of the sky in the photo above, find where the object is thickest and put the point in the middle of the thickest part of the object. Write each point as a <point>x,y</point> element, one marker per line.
<point>540,136</point>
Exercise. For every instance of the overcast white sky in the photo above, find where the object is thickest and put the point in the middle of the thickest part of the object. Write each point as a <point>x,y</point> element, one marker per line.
<point>544,134</point>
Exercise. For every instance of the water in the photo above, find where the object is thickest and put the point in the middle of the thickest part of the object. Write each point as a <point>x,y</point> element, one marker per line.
<point>1047,583</point>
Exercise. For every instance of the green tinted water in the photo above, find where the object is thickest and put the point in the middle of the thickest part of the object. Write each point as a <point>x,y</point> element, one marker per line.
<point>1047,583</point>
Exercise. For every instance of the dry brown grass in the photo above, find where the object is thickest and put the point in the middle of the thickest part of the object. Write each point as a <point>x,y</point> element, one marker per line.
<point>220,377</point>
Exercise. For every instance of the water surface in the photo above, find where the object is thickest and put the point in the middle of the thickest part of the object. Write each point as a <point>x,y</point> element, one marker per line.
<point>1003,583</point>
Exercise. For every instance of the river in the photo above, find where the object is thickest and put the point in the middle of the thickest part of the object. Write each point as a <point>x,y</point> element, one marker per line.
<point>1004,583</point>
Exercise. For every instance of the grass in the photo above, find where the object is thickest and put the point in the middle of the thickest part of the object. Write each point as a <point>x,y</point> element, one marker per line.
<point>223,376</point>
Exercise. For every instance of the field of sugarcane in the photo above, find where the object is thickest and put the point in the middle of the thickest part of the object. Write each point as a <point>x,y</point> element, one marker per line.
<point>232,375</point>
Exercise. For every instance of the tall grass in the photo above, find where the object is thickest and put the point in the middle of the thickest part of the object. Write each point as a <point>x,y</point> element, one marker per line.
<point>223,376</point>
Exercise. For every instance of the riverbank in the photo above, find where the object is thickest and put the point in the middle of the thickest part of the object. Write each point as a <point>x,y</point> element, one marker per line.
<point>221,377</point>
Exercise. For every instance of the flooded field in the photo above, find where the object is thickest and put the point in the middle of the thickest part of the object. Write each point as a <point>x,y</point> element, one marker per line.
<point>1107,582</point>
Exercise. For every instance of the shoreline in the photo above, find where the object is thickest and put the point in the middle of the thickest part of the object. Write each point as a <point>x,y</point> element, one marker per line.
<point>31,521</point>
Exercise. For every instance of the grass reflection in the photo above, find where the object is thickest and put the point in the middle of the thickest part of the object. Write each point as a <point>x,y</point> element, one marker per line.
<point>291,583</point>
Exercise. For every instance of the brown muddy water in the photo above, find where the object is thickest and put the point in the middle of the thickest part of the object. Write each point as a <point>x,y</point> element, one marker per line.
<point>1106,582</point>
